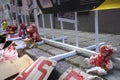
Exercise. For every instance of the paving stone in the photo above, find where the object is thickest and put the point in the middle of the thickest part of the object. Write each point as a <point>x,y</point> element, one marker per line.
<point>114,74</point>
<point>91,35</point>
<point>51,50</point>
<point>36,53</point>
<point>62,66</point>
<point>77,60</point>
<point>72,40</point>
<point>115,38</point>
<point>85,39</point>
<point>69,32</point>
<point>118,49</point>
<point>45,47</point>
<point>113,43</point>
<point>56,51</point>
<point>87,43</point>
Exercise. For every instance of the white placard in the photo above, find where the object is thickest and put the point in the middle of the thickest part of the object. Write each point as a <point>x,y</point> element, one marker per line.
<point>46,3</point>
<point>67,17</point>
<point>77,74</point>
<point>39,70</point>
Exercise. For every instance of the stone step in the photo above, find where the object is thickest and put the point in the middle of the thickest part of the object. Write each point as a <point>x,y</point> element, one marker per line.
<point>63,65</point>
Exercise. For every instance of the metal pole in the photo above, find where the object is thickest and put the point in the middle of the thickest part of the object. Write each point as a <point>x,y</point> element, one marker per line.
<point>21,15</point>
<point>96,31</point>
<point>23,12</point>
<point>62,30</point>
<point>76,30</point>
<point>69,47</point>
<point>92,47</point>
<point>43,21</point>
<point>35,14</point>
<point>25,19</point>
<point>16,13</point>
<point>51,24</point>
<point>62,56</point>
<point>71,53</point>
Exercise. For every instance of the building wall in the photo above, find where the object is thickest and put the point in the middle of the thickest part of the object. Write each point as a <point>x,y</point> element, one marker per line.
<point>109,21</point>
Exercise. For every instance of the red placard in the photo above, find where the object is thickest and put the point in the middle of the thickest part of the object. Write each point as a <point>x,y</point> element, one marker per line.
<point>39,70</point>
<point>74,75</point>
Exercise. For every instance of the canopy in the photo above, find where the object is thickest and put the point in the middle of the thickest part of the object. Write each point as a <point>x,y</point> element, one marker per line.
<point>109,4</point>
<point>56,6</point>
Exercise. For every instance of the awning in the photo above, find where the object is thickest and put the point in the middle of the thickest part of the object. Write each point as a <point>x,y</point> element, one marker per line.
<point>56,6</point>
<point>109,4</point>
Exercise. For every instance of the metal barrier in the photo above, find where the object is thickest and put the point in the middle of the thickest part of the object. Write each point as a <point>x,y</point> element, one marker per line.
<point>73,20</point>
<point>71,48</point>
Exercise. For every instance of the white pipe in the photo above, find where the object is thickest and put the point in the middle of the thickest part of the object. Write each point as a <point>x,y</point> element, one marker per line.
<point>76,30</point>
<point>60,38</point>
<point>20,47</point>
<point>69,47</point>
<point>16,13</point>
<point>62,30</point>
<point>44,29</point>
<point>35,14</point>
<point>51,24</point>
<point>94,46</point>
<point>62,56</point>
<point>25,19</point>
<point>21,17</point>
<point>41,42</point>
<point>71,53</point>
<point>96,31</point>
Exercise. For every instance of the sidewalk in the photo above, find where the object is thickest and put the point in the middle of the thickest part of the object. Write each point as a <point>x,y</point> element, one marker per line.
<point>85,39</point>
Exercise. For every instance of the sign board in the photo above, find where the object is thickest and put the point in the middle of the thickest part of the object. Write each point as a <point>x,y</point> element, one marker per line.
<point>46,3</point>
<point>39,70</point>
<point>77,74</point>
<point>67,17</point>
<point>72,74</point>
<point>7,69</point>
<point>10,68</point>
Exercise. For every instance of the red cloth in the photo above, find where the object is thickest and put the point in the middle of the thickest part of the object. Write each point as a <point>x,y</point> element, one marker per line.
<point>103,58</point>
<point>9,53</point>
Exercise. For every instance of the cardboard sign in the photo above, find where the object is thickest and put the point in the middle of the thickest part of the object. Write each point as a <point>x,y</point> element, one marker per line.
<point>23,62</point>
<point>77,74</point>
<point>39,70</point>
<point>72,74</point>
<point>9,52</point>
<point>10,68</point>
<point>7,69</point>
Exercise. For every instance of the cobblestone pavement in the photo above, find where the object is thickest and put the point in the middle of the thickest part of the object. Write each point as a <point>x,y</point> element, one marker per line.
<point>85,39</point>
